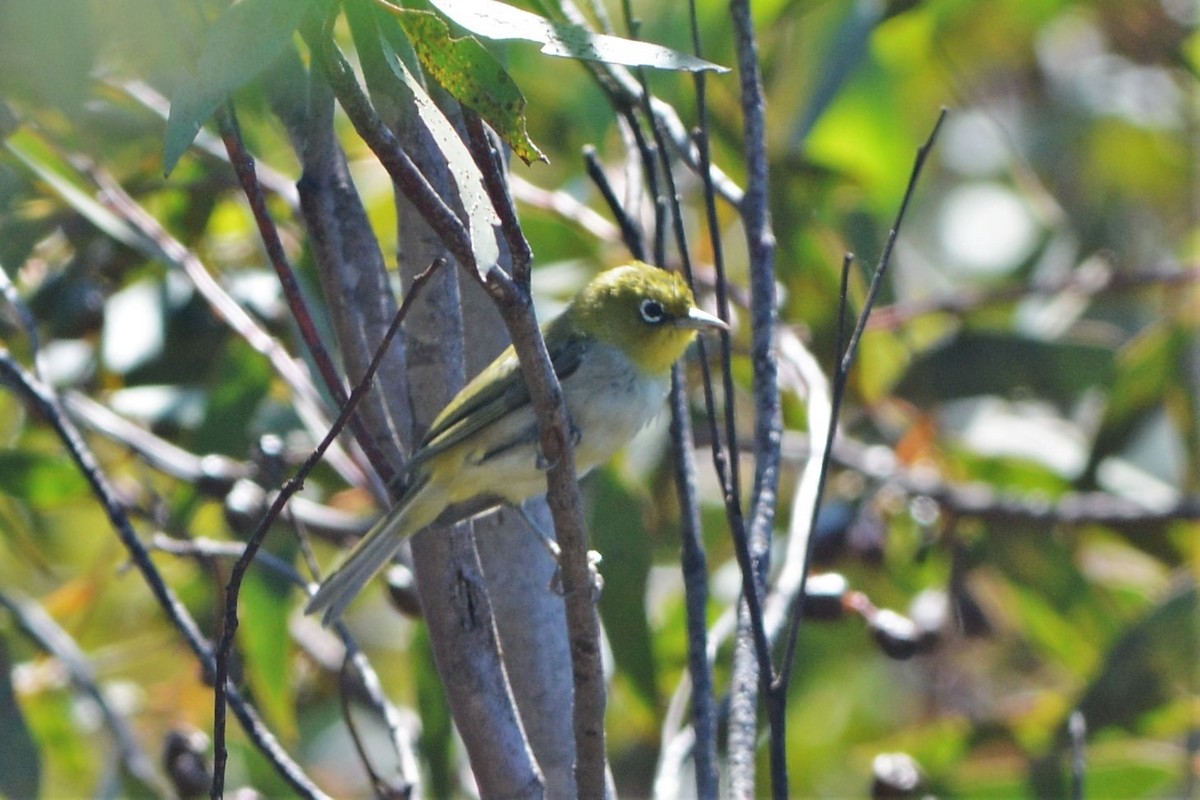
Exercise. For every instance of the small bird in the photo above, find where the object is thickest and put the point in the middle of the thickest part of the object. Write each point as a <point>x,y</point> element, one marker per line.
<point>612,350</point>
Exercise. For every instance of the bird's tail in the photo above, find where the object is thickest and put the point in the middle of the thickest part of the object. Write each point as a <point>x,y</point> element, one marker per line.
<point>369,556</point>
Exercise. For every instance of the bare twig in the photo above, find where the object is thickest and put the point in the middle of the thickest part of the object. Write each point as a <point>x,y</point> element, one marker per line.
<point>490,162</point>
<point>238,573</point>
<point>631,233</point>
<point>566,206</point>
<point>1090,281</point>
<point>47,405</point>
<point>767,418</point>
<point>401,739</point>
<point>245,169</point>
<point>841,376</point>
<point>694,564</point>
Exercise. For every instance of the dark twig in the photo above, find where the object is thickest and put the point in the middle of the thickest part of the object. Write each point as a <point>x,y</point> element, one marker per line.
<point>694,565</point>
<point>46,403</point>
<point>203,548</point>
<point>245,169</point>
<point>491,165</point>
<point>631,234</point>
<point>383,143</point>
<point>841,376</point>
<point>225,646</point>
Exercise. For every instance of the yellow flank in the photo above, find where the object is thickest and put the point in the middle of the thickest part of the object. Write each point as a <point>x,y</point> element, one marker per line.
<point>612,349</point>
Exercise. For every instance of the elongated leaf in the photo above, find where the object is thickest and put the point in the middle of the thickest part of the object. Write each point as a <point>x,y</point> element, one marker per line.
<point>481,216</point>
<point>244,40</point>
<point>464,68</point>
<point>502,22</point>
<point>77,198</point>
<point>263,633</point>
<point>615,519</point>
<point>980,362</point>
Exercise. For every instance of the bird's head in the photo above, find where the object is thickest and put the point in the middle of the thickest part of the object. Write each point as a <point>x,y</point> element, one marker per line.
<point>647,312</point>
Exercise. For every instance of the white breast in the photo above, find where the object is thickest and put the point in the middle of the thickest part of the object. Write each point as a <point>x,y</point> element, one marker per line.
<point>610,400</point>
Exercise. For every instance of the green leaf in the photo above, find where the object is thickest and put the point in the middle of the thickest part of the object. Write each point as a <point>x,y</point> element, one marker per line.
<point>263,632</point>
<point>25,146</point>
<point>44,481</point>
<point>982,363</point>
<point>1149,368</point>
<point>464,68</point>
<point>245,39</point>
<point>501,22</point>
<point>615,521</point>
<point>1146,669</point>
<point>481,215</point>
<point>20,763</point>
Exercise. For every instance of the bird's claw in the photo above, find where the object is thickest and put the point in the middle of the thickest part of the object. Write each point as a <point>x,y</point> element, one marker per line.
<point>576,436</point>
<point>595,578</point>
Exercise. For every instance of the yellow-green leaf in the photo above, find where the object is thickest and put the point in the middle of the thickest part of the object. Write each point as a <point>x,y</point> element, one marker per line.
<point>464,68</point>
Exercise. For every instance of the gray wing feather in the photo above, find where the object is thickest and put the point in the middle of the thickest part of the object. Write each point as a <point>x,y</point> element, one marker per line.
<point>505,394</point>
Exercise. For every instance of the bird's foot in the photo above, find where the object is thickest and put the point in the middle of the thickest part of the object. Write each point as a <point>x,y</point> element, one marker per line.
<point>595,578</point>
<point>544,464</point>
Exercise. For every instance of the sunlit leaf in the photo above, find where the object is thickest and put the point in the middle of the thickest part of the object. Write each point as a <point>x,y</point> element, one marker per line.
<point>243,41</point>
<point>502,22</point>
<point>480,215</point>
<point>469,72</point>
<point>266,600</point>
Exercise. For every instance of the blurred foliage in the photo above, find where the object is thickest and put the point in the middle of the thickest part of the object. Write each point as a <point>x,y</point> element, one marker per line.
<point>1037,338</point>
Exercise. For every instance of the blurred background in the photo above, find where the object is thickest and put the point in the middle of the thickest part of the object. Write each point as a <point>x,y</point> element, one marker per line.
<point>1020,474</point>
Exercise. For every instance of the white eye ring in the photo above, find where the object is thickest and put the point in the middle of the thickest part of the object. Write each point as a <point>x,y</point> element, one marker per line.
<point>652,311</point>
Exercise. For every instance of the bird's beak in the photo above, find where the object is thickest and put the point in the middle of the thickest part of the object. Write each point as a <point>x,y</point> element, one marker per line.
<point>699,320</point>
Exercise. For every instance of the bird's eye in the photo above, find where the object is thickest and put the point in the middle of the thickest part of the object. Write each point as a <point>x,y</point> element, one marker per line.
<point>653,311</point>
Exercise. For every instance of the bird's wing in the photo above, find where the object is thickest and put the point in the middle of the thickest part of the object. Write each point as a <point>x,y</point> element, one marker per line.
<point>497,391</point>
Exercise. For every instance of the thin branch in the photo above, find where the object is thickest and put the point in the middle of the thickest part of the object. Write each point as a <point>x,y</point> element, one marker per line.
<point>402,744</point>
<point>46,403</point>
<point>570,529</point>
<point>841,376</point>
<point>631,233</point>
<point>1092,279</point>
<point>694,565</point>
<point>244,167</point>
<point>293,485</point>
<point>768,421</point>
<point>491,165</point>
<point>562,203</point>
